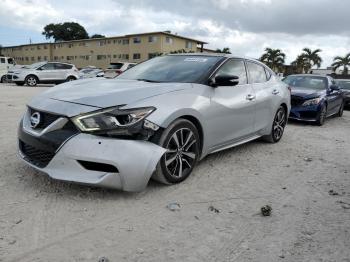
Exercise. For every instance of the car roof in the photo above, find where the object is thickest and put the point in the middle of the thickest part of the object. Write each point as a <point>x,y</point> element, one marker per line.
<point>309,75</point>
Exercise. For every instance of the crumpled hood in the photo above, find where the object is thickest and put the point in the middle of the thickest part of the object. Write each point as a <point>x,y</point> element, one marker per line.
<point>307,93</point>
<point>109,92</point>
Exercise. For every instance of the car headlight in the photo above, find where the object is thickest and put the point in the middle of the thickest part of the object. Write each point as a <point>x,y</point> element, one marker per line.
<point>112,118</point>
<point>312,102</point>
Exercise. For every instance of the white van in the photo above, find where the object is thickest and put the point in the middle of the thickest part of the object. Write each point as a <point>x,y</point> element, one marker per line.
<point>6,63</point>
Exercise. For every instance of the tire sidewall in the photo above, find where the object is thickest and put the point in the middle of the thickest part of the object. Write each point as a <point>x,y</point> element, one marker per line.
<point>163,141</point>
<point>320,119</point>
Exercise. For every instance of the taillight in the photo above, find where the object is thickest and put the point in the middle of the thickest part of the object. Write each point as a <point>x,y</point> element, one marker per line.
<point>118,71</point>
<point>290,89</point>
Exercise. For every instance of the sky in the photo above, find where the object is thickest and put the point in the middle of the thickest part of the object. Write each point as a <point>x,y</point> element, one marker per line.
<point>247,27</point>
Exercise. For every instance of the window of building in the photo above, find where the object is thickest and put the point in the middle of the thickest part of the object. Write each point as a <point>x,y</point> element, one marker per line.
<point>101,43</point>
<point>168,40</point>
<point>70,57</point>
<point>136,56</point>
<point>234,67</point>
<point>27,58</point>
<point>189,44</point>
<point>256,73</point>
<point>39,58</point>
<point>101,57</point>
<point>55,58</point>
<point>108,41</point>
<point>125,56</point>
<point>137,40</point>
<point>38,47</point>
<point>70,45</point>
<point>32,58</point>
<point>45,46</point>
<point>125,41</point>
<point>114,56</point>
<point>152,39</point>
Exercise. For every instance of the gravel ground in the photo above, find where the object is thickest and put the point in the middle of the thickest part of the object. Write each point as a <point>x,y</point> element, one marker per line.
<point>219,214</point>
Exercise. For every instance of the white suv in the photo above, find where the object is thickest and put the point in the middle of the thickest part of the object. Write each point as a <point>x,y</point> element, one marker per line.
<point>115,69</point>
<point>44,72</point>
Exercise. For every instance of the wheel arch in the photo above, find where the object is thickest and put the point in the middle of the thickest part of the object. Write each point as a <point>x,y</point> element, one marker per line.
<point>31,74</point>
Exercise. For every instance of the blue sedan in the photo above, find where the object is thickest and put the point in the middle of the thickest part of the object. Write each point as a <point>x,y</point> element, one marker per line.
<point>314,98</point>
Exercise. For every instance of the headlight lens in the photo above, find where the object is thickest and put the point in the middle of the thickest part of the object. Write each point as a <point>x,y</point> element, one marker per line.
<point>312,102</point>
<point>111,118</point>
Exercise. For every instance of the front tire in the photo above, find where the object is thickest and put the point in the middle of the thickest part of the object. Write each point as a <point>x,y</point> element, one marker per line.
<point>182,141</point>
<point>31,80</point>
<point>321,118</point>
<point>3,79</point>
<point>278,125</point>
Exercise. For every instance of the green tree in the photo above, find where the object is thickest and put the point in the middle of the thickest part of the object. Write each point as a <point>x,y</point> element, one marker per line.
<point>300,65</point>
<point>312,58</point>
<point>0,49</point>
<point>65,31</point>
<point>97,36</point>
<point>225,50</point>
<point>273,58</point>
<point>342,62</point>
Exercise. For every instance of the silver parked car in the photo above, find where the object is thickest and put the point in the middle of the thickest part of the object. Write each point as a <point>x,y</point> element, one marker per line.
<point>115,69</point>
<point>158,119</point>
<point>44,72</point>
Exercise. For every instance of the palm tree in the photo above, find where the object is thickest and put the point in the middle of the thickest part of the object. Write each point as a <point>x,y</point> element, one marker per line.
<point>342,61</point>
<point>300,64</point>
<point>312,58</point>
<point>274,58</point>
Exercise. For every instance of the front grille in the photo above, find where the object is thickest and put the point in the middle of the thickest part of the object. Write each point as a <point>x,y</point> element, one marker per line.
<point>37,157</point>
<point>297,101</point>
<point>46,119</point>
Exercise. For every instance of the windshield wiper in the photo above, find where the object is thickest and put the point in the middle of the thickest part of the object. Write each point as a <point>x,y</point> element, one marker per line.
<point>147,80</point>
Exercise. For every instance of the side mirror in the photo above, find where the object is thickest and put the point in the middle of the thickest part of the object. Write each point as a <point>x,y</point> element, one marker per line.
<point>334,88</point>
<point>40,69</point>
<point>225,80</point>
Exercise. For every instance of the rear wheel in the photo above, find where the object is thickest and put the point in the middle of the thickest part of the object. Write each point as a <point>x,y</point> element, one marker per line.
<point>341,110</point>
<point>31,80</point>
<point>322,116</point>
<point>279,123</point>
<point>181,139</point>
<point>70,78</point>
<point>3,79</point>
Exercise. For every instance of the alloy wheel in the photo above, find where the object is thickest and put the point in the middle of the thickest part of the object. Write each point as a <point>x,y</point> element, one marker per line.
<point>31,81</point>
<point>279,124</point>
<point>180,157</point>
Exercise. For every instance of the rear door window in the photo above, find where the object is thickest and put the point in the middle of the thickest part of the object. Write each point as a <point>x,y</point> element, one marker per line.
<point>257,73</point>
<point>62,66</point>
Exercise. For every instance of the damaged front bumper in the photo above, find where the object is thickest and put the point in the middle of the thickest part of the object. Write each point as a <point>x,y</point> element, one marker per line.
<point>99,161</point>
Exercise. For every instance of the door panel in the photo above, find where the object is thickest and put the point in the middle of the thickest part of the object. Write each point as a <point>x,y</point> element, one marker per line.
<point>46,72</point>
<point>232,113</point>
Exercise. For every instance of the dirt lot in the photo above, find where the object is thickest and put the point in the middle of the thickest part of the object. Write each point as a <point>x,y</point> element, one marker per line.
<point>46,220</point>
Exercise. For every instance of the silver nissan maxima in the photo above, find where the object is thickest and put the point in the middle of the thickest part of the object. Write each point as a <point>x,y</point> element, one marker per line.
<point>157,119</point>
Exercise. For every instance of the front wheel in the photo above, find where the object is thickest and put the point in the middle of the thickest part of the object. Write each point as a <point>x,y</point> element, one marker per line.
<point>3,79</point>
<point>279,123</point>
<point>31,80</point>
<point>182,141</point>
<point>322,116</point>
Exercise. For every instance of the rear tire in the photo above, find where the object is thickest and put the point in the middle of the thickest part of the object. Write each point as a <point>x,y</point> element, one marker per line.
<point>278,125</point>
<point>3,79</point>
<point>321,118</point>
<point>70,78</point>
<point>341,110</point>
<point>31,80</point>
<point>182,141</point>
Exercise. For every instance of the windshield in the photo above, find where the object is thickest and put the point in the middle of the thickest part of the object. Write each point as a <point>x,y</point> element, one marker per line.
<point>35,65</point>
<point>181,68</point>
<point>115,66</point>
<point>344,84</point>
<point>307,82</point>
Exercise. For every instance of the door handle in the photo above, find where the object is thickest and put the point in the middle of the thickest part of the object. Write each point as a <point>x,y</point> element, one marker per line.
<point>275,92</point>
<point>250,97</point>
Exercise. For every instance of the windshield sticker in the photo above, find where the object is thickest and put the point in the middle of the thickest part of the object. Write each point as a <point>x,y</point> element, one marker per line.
<point>195,59</point>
